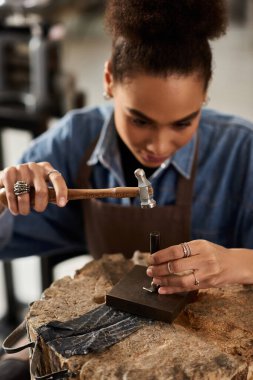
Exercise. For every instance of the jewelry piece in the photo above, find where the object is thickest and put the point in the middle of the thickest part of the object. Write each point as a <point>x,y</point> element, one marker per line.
<point>169,267</point>
<point>196,281</point>
<point>52,171</point>
<point>206,101</point>
<point>21,187</point>
<point>186,250</point>
<point>106,95</point>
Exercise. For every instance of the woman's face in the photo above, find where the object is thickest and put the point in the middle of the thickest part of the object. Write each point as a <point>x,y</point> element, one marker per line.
<point>156,116</point>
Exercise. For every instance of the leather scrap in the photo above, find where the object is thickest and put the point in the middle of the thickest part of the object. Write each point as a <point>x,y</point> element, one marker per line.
<point>92,332</point>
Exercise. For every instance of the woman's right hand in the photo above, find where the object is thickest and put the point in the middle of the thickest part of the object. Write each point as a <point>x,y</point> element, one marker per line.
<point>36,175</point>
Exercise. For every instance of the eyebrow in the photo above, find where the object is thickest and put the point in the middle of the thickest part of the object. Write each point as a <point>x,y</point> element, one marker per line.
<point>145,117</point>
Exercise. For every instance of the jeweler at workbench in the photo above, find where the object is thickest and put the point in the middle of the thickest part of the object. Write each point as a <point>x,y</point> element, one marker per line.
<point>158,77</point>
<point>199,161</point>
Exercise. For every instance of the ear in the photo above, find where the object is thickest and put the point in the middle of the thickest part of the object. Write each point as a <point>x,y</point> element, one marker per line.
<point>108,79</point>
<point>206,100</point>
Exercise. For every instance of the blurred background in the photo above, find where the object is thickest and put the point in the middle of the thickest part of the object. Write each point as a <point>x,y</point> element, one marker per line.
<point>52,55</point>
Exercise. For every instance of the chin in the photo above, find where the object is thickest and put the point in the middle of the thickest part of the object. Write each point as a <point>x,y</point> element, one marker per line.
<point>150,164</point>
<point>153,166</point>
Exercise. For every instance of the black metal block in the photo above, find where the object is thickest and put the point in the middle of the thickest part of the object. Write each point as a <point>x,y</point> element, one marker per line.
<point>128,295</point>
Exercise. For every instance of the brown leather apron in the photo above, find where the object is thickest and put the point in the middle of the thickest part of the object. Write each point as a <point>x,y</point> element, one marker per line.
<point>111,228</point>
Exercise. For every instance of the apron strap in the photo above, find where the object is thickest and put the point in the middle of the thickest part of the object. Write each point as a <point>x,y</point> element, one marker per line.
<point>14,337</point>
<point>12,340</point>
<point>84,169</point>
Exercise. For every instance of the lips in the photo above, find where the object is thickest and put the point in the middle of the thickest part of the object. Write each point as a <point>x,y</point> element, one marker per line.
<point>150,158</point>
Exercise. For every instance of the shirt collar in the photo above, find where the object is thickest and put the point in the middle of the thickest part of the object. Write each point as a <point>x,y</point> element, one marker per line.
<point>106,152</point>
<point>105,142</point>
<point>183,159</point>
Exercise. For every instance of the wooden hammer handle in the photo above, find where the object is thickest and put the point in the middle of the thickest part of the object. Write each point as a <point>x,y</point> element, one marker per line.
<point>75,194</point>
<point>115,192</point>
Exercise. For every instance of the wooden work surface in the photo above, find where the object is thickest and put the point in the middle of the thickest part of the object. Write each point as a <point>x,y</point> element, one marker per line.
<point>211,339</point>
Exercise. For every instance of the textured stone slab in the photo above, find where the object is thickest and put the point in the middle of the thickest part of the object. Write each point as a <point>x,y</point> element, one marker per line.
<point>211,339</point>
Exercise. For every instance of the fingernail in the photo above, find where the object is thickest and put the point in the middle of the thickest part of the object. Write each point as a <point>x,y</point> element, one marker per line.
<point>62,201</point>
<point>149,272</point>
<point>165,290</point>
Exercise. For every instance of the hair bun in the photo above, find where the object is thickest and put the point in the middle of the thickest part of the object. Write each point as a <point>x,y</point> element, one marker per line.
<point>166,19</point>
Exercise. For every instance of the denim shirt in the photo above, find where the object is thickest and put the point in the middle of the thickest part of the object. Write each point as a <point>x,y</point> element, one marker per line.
<point>222,207</point>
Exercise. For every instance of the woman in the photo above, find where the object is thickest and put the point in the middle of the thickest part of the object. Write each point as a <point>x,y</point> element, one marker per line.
<point>199,162</point>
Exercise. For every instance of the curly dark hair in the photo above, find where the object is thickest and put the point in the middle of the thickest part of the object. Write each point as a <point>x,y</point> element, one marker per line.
<point>163,37</point>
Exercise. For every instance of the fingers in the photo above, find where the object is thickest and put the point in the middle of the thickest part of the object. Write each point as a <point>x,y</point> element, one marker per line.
<point>173,267</point>
<point>171,253</point>
<point>17,204</point>
<point>23,200</point>
<point>178,284</point>
<point>8,178</point>
<point>34,175</point>
<point>40,189</point>
<point>59,184</point>
<point>184,267</point>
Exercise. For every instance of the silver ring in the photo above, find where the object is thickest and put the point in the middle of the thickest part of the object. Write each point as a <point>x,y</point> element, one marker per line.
<point>169,268</point>
<point>186,250</point>
<point>196,281</point>
<point>53,171</point>
<point>21,187</point>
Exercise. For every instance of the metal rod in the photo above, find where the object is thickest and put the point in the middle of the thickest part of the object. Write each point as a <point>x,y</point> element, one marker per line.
<point>154,240</point>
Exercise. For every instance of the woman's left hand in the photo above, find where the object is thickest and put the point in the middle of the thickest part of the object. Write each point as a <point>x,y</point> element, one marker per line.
<point>198,264</point>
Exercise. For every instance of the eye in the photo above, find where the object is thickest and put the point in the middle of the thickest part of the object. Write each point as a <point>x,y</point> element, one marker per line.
<point>183,124</point>
<point>139,122</point>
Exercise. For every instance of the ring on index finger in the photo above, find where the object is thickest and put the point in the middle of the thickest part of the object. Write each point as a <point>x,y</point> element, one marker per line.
<point>186,250</point>
<point>21,187</point>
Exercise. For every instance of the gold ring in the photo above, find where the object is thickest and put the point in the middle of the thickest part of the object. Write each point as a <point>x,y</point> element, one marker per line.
<point>169,268</point>
<point>196,281</point>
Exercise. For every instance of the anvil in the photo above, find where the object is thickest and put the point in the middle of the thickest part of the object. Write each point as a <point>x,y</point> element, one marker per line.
<point>129,295</point>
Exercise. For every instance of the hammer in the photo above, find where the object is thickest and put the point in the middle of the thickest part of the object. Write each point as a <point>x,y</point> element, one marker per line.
<point>144,191</point>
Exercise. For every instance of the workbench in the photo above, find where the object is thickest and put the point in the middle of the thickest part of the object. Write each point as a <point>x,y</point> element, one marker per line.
<point>211,339</point>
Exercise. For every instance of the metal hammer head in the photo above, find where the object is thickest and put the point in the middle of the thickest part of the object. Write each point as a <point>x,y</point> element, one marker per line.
<point>146,190</point>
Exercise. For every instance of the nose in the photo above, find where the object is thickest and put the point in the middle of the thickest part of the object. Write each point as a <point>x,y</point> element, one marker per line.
<point>159,143</point>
